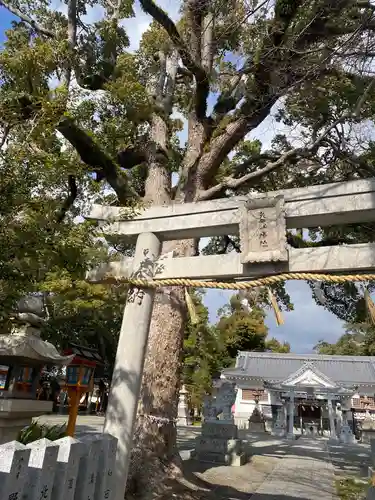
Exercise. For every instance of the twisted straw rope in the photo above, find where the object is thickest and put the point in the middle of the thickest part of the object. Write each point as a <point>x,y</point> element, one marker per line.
<point>268,280</point>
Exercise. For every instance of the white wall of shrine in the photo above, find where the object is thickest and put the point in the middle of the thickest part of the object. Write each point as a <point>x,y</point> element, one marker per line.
<point>244,407</point>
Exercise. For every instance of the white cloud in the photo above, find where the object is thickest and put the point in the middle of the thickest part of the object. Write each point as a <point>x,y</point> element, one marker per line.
<point>135,27</point>
<point>94,14</point>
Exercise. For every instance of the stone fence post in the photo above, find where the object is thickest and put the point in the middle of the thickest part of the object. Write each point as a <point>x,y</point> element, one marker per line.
<point>66,469</point>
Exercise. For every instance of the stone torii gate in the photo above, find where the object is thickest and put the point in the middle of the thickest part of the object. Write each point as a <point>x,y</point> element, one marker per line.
<point>261,221</point>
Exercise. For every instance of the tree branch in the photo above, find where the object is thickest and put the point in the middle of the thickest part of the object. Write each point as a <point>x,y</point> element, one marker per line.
<point>235,246</point>
<point>228,99</point>
<point>171,68</point>
<point>72,36</point>
<point>28,20</point>
<point>233,183</point>
<point>73,193</point>
<point>194,15</point>
<point>6,131</point>
<point>202,83</point>
<point>364,4</point>
<point>97,159</point>
<point>225,142</point>
<point>207,43</point>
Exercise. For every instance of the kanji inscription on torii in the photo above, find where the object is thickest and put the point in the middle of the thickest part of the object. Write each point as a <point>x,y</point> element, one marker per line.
<point>263,230</point>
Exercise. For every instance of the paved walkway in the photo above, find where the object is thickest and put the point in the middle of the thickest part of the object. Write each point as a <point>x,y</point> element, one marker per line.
<point>277,470</point>
<point>305,472</point>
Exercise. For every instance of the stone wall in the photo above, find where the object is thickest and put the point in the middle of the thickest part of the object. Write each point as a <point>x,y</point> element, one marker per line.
<point>65,469</point>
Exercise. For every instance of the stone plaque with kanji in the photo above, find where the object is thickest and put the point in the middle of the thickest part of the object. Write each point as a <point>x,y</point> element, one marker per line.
<point>263,231</point>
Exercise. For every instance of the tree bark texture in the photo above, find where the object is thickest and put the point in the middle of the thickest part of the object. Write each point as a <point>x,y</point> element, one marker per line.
<point>155,456</point>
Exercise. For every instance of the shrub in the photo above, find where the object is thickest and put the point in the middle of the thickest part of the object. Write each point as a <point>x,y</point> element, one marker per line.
<point>37,431</point>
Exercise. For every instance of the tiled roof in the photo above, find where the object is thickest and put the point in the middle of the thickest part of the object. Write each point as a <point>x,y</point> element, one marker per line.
<point>85,352</point>
<point>276,367</point>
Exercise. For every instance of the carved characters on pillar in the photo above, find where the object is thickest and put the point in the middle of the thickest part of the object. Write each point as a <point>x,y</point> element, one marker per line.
<point>146,271</point>
<point>263,230</point>
<point>135,295</point>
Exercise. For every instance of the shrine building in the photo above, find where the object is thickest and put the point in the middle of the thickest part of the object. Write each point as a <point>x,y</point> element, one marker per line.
<point>312,390</point>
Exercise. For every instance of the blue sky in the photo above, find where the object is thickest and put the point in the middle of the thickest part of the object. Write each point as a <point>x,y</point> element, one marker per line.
<point>308,323</point>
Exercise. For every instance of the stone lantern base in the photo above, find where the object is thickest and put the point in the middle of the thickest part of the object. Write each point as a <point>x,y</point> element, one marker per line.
<point>219,444</point>
<point>256,422</point>
<point>15,414</point>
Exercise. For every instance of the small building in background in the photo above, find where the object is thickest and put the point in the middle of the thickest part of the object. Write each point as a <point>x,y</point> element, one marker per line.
<point>313,391</point>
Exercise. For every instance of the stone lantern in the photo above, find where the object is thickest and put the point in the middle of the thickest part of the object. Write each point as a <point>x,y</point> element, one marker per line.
<point>367,428</point>
<point>256,421</point>
<point>23,354</point>
<point>183,418</point>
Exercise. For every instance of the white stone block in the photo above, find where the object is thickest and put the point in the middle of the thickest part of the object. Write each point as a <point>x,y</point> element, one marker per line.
<point>88,468</point>
<point>14,458</point>
<point>42,465</point>
<point>107,461</point>
<point>67,465</point>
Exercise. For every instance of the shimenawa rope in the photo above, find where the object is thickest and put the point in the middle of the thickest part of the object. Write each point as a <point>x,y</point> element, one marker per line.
<point>245,285</point>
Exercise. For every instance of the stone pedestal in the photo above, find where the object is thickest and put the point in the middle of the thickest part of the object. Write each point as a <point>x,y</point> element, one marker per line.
<point>219,444</point>
<point>183,410</point>
<point>256,422</point>
<point>367,436</point>
<point>15,414</point>
<point>256,426</point>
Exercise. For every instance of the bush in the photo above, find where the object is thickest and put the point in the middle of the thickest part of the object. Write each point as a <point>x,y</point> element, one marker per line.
<point>37,431</point>
<point>351,488</point>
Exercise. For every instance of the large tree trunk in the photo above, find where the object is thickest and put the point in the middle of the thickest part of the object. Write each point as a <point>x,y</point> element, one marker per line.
<point>155,458</point>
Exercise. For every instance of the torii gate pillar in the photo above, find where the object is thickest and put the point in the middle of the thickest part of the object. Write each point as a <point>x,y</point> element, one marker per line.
<point>131,351</point>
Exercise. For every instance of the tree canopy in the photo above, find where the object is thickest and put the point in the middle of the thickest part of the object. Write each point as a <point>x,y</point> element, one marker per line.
<point>358,340</point>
